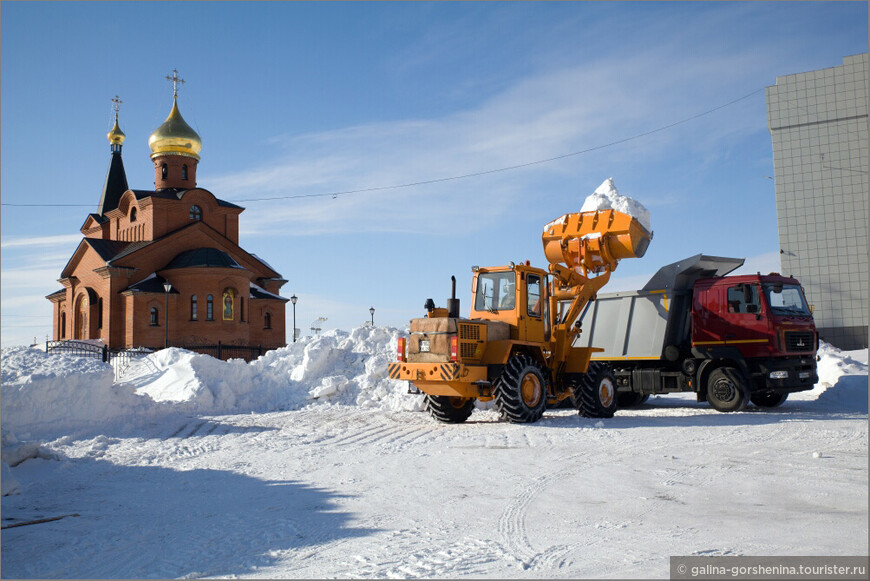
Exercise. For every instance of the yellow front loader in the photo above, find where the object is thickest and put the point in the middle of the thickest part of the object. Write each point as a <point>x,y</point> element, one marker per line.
<point>516,346</point>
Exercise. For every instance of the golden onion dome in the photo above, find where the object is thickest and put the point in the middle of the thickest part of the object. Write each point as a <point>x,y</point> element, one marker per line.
<point>175,137</point>
<point>116,136</point>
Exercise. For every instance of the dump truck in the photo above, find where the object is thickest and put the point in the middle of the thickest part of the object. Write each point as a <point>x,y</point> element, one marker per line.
<point>691,328</point>
<point>516,346</point>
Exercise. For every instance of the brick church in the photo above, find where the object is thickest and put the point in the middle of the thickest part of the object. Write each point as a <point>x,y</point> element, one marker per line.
<point>164,266</point>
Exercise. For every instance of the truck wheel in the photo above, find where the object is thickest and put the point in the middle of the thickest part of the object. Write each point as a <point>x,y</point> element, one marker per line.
<point>769,399</point>
<point>451,410</point>
<point>726,391</point>
<point>630,399</point>
<point>520,392</point>
<point>595,394</point>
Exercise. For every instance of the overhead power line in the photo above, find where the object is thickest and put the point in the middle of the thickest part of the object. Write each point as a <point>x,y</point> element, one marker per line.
<point>335,194</point>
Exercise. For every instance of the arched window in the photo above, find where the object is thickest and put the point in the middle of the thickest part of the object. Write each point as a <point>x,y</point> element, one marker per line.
<point>164,171</point>
<point>242,309</point>
<point>209,308</point>
<point>193,314</point>
<point>155,317</point>
<point>100,313</point>
<point>195,213</point>
<point>267,321</point>
<point>133,215</point>
<point>184,172</point>
<point>63,325</point>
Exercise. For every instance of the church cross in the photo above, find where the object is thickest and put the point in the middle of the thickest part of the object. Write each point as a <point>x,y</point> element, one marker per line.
<point>175,80</point>
<point>116,105</point>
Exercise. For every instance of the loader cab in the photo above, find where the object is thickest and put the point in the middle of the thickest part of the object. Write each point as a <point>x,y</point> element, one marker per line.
<point>515,294</point>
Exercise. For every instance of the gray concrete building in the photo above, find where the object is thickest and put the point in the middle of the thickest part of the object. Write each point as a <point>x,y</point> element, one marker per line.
<point>819,128</point>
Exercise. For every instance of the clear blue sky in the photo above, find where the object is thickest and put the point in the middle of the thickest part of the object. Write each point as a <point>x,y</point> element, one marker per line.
<point>293,99</point>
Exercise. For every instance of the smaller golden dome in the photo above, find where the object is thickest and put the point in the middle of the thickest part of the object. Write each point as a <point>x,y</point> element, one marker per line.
<point>116,136</point>
<point>175,137</point>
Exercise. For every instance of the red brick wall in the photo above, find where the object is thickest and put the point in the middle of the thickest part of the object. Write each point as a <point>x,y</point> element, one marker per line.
<point>174,172</point>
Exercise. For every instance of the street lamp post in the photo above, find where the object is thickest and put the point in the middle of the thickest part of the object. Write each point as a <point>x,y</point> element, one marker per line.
<point>372,313</point>
<point>167,287</point>
<point>293,300</point>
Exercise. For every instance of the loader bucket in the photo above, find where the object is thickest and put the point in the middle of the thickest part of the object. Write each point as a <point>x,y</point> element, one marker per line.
<point>594,241</point>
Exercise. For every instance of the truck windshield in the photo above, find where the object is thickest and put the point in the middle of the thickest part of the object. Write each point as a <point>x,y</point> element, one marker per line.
<point>495,291</point>
<point>786,299</point>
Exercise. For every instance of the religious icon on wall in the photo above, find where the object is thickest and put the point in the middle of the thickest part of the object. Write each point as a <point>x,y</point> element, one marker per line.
<point>228,304</point>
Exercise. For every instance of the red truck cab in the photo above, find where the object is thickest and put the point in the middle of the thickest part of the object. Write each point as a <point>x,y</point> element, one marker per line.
<point>763,323</point>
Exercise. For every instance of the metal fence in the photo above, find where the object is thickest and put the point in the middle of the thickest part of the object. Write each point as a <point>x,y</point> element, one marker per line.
<point>119,359</point>
<point>224,352</point>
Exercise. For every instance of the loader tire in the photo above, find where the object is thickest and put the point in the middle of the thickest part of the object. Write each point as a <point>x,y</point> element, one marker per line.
<point>768,400</point>
<point>595,393</point>
<point>520,392</point>
<point>726,390</point>
<point>630,399</point>
<point>450,410</point>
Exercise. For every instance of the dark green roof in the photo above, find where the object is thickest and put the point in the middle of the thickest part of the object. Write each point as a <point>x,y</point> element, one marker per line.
<point>203,257</point>
<point>151,284</point>
<point>114,186</point>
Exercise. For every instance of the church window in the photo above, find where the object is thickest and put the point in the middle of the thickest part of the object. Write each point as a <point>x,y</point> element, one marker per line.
<point>209,308</point>
<point>63,325</point>
<point>193,313</point>
<point>195,213</point>
<point>155,317</point>
<point>100,313</point>
<point>164,172</point>
<point>133,215</point>
<point>184,172</point>
<point>242,309</point>
<point>267,321</point>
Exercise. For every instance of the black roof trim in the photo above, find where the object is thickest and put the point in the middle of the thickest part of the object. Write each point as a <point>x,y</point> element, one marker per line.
<point>177,194</point>
<point>203,258</point>
<point>151,284</point>
<point>107,249</point>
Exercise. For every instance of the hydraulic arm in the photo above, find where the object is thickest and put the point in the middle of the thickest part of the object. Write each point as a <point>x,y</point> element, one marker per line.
<point>577,245</point>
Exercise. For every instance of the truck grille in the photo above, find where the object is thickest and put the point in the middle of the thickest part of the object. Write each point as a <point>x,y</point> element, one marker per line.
<point>800,342</point>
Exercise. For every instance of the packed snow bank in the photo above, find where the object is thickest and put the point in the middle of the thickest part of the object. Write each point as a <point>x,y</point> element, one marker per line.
<point>842,380</point>
<point>334,367</point>
<point>51,395</point>
<point>46,394</point>
<point>607,197</point>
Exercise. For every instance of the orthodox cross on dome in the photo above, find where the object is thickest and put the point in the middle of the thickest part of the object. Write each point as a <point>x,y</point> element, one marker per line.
<point>116,105</point>
<point>175,80</point>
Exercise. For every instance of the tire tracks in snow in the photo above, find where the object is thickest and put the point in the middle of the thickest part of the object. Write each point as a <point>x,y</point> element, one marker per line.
<point>513,528</point>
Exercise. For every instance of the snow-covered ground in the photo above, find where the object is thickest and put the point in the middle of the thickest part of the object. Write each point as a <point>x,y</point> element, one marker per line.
<point>309,462</point>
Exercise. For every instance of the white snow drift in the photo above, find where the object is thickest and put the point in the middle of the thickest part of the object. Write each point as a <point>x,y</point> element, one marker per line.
<point>47,395</point>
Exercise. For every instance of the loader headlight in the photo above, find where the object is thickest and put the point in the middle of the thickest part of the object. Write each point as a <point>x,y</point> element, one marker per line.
<point>779,374</point>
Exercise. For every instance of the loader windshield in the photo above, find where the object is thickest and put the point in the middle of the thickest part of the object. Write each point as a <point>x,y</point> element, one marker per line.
<point>496,291</point>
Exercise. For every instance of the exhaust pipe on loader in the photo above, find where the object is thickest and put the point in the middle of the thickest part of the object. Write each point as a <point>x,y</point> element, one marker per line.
<point>453,302</point>
<point>452,310</point>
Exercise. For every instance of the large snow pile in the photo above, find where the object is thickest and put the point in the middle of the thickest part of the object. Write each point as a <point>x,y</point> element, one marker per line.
<point>607,197</point>
<point>336,367</point>
<point>59,393</point>
<point>842,380</point>
<point>49,396</point>
<point>46,395</point>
